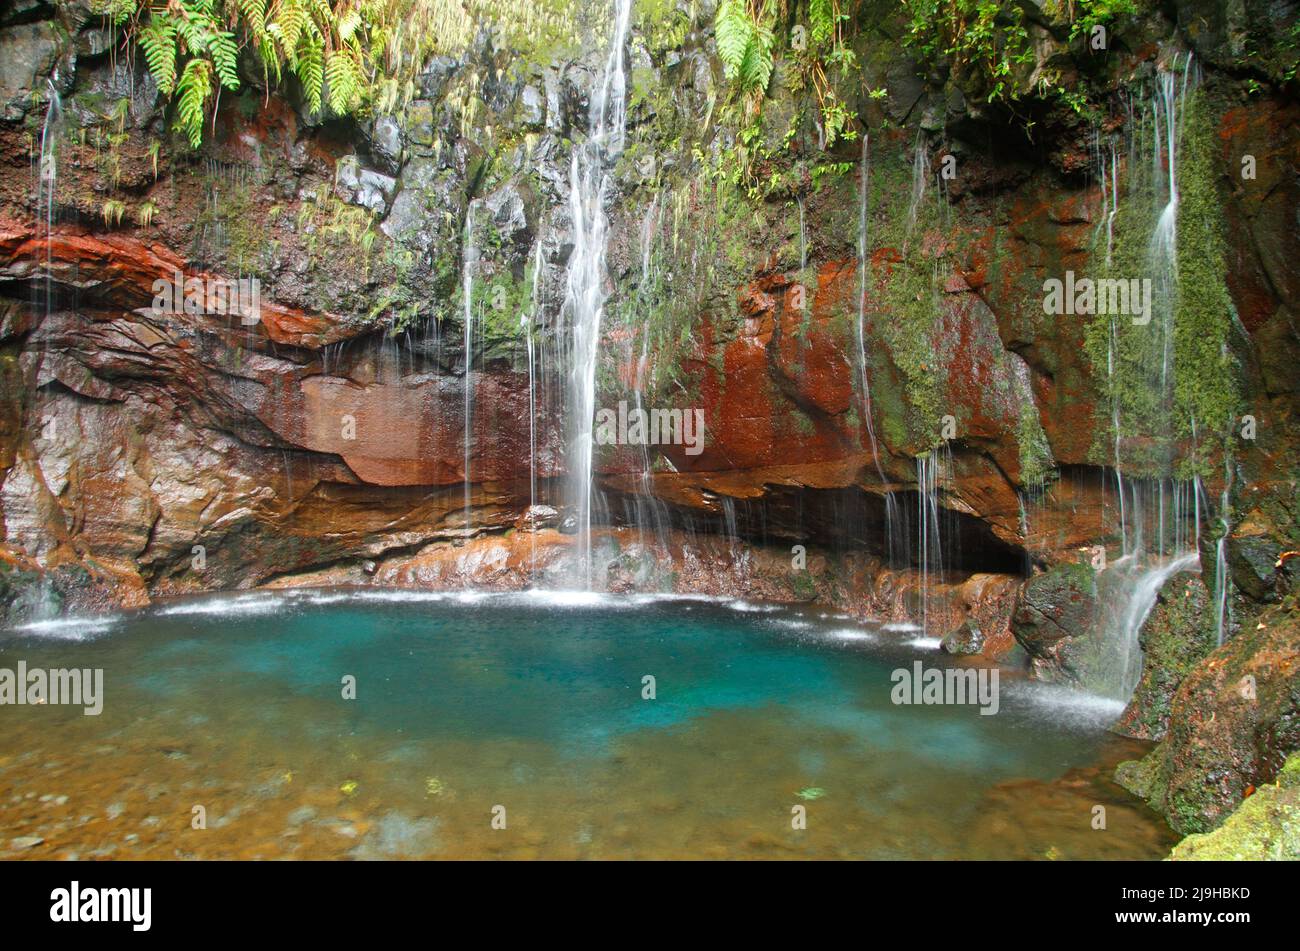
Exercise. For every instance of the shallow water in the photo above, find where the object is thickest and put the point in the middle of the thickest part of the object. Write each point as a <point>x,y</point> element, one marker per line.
<point>534,703</point>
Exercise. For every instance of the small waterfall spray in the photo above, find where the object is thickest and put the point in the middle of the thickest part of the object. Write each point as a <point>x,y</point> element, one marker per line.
<point>529,321</point>
<point>589,184</point>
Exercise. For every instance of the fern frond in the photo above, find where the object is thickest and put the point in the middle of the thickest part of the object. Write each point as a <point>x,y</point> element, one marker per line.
<point>225,57</point>
<point>734,30</point>
<point>344,80</point>
<point>755,69</point>
<point>192,93</point>
<point>310,68</point>
<point>821,18</point>
<point>158,40</point>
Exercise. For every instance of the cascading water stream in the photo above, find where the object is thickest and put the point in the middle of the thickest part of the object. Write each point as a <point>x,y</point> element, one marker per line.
<point>1222,583</point>
<point>470,259</point>
<point>891,515</point>
<point>529,320</point>
<point>47,178</point>
<point>645,495</point>
<point>589,184</point>
<point>1159,519</point>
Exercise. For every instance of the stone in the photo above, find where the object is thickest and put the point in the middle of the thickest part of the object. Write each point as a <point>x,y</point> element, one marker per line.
<point>1053,608</point>
<point>966,639</point>
<point>29,50</point>
<point>1233,721</point>
<point>363,186</point>
<point>25,842</point>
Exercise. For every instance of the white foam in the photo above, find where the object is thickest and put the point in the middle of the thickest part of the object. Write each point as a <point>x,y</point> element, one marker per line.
<point>567,599</point>
<point>70,628</point>
<point>243,605</point>
<point>900,626</point>
<point>793,624</point>
<point>1078,705</point>
<point>750,607</point>
<point>925,643</point>
<point>851,634</point>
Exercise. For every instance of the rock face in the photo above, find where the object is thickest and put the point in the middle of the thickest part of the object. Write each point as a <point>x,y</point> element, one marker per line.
<point>967,639</point>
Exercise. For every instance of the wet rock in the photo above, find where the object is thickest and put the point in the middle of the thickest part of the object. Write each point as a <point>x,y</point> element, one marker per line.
<point>967,639</point>
<point>363,186</point>
<point>386,143</point>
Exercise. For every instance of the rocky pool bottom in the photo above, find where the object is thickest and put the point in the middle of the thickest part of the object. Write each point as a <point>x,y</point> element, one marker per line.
<point>532,708</point>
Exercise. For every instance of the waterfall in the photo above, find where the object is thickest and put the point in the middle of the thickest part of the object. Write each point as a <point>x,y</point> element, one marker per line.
<point>1139,585</point>
<point>930,472</point>
<point>589,184</point>
<point>1221,581</point>
<point>469,259</point>
<point>1168,110</point>
<point>645,496</point>
<point>891,519</point>
<point>529,320</point>
<point>920,179</point>
<point>47,178</point>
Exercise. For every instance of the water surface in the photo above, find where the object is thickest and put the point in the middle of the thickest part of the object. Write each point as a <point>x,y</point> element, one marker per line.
<point>531,707</point>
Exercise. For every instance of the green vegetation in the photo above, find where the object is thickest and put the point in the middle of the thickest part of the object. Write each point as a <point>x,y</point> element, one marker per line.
<point>746,32</point>
<point>987,46</point>
<point>349,56</point>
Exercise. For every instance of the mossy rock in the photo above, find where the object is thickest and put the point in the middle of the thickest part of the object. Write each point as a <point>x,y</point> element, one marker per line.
<point>1266,826</point>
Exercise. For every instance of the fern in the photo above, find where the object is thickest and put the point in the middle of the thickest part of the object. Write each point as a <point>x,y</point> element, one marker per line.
<point>192,93</point>
<point>253,14</point>
<point>310,70</point>
<point>822,18</point>
<point>158,40</point>
<point>756,66</point>
<point>290,20</point>
<point>734,30</point>
<point>344,81</point>
<point>225,57</point>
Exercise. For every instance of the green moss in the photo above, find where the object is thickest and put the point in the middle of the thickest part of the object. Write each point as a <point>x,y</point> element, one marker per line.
<point>1035,452</point>
<point>1128,358</point>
